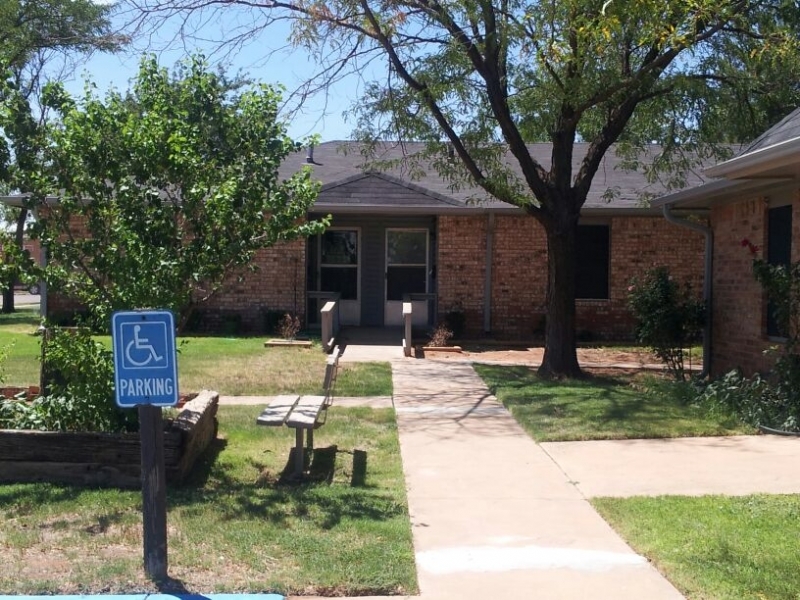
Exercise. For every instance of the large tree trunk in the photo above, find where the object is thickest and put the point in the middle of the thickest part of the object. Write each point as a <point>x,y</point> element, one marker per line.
<point>560,356</point>
<point>19,238</point>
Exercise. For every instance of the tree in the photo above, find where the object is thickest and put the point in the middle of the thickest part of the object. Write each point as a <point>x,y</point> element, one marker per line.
<point>165,191</point>
<point>486,77</point>
<point>32,36</point>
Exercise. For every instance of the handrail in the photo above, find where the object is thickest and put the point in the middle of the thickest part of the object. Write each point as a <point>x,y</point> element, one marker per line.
<point>407,312</point>
<point>329,315</point>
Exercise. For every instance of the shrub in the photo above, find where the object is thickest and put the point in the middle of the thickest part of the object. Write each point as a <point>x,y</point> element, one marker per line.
<point>668,317</point>
<point>755,400</point>
<point>456,321</point>
<point>289,326</point>
<point>80,391</point>
<point>440,336</point>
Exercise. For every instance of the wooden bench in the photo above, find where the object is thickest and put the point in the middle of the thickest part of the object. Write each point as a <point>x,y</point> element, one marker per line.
<point>304,414</point>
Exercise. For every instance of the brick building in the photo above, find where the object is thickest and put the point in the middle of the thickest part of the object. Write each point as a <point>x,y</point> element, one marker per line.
<point>392,235</point>
<point>453,250</point>
<point>754,198</point>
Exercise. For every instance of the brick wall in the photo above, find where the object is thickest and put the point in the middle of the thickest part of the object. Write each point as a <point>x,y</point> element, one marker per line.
<point>739,314</point>
<point>519,277</point>
<point>277,284</point>
<point>519,272</point>
<point>460,267</point>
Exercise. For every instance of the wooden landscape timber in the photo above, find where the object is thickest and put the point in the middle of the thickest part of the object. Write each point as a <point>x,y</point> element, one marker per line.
<point>107,459</point>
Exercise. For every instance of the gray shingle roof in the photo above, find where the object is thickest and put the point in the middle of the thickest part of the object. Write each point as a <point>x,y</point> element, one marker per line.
<point>785,130</point>
<point>340,167</point>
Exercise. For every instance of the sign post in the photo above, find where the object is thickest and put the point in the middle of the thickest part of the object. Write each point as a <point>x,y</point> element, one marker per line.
<point>146,376</point>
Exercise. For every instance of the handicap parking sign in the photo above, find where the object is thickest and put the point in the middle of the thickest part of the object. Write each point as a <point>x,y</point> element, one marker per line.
<point>145,365</point>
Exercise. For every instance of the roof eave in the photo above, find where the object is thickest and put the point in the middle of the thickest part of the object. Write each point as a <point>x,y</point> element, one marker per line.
<point>753,163</point>
<point>721,190</point>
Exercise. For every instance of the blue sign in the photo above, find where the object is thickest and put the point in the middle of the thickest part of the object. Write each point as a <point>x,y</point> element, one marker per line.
<point>145,365</point>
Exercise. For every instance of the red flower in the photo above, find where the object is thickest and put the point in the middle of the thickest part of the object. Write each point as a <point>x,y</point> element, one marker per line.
<point>750,246</point>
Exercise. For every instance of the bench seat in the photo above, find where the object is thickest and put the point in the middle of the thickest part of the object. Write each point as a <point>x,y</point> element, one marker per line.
<point>276,413</point>
<point>306,412</point>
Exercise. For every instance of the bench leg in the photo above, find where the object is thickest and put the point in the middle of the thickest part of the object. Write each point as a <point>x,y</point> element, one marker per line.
<point>298,452</point>
<point>310,439</point>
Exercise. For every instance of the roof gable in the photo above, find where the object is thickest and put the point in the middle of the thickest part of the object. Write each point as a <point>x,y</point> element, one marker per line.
<point>381,190</point>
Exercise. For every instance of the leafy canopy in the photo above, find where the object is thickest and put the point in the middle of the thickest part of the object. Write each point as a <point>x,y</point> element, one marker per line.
<point>176,184</point>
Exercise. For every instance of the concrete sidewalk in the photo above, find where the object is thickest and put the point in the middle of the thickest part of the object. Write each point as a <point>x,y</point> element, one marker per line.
<point>492,515</point>
<point>733,466</point>
<point>495,515</point>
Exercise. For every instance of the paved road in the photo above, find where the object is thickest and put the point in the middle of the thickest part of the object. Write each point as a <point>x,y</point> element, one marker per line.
<point>24,299</point>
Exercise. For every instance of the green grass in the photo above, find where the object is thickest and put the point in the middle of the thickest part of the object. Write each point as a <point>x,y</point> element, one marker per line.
<point>17,334</point>
<point>231,366</point>
<point>598,408</point>
<point>233,528</point>
<point>716,547</point>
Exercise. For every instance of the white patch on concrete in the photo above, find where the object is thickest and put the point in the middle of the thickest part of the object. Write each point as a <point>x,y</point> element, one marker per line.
<point>482,559</point>
<point>449,410</point>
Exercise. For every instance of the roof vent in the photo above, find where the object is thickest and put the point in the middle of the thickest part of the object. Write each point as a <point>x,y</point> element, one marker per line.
<point>310,154</point>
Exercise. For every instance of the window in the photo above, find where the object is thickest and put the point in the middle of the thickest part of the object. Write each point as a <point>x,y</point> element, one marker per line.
<point>406,262</point>
<point>779,252</point>
<point>339,262</point>
<point>591,273</point>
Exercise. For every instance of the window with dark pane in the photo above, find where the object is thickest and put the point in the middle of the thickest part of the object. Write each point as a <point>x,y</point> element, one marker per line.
<point>406,263</point>
<point>591,273</point>
<point>338,262</point>
<point>779,252</point>
<point>340,248</point>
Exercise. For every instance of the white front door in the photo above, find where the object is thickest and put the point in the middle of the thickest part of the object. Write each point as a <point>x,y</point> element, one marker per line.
<point>340,271</point>
<point>406,273</point>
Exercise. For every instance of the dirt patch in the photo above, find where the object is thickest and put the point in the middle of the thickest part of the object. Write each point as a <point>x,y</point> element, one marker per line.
<point>603,356</point>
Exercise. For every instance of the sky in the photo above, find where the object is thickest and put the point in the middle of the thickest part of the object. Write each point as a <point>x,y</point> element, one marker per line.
<point>266,58</point>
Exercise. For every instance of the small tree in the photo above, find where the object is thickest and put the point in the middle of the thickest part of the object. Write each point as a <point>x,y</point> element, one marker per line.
<point>668,317</point>
<point>166,191</point>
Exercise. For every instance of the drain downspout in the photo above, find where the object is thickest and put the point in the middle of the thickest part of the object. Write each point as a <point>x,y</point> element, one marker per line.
<point>707,263</point>
<point>487,282</point>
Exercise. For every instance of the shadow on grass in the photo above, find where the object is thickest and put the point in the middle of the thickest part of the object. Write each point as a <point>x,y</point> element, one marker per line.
<point>274,497</point>
<point>27,498</point>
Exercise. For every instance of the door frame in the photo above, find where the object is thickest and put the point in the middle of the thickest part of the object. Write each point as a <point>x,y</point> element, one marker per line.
<point>349,310</point>
<point>393,309</point>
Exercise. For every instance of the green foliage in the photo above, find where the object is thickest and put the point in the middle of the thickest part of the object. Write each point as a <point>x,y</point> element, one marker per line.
<point>81,394</point>
<point>772,401</point>
<point>754,400</point>
<point>781,283</point>
<point>596,408</point>
<point>712,546</point>
<point>668,318</point>
<point>29,28</point>
<point>177,184</point>
<point>31,35</point>
<point>4,352</point>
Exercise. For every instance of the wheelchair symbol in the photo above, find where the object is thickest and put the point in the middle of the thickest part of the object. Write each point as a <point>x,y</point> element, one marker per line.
<point>139,344</point>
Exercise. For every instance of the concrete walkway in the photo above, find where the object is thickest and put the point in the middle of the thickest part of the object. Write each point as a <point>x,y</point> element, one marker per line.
<point>492,515</point>
<point>496,515</point>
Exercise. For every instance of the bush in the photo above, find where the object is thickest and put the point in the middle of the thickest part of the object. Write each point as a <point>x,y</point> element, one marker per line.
<point>440,336</point>
<point>80,392</point>
<point>456,321</point>
<point>755,400</point>
<point>669,318</point>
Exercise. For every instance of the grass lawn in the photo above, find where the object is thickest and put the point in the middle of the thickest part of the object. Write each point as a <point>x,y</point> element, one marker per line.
<point>231,366</point>
<point>233,528</point>
<point>598,408</point>
<point>715,546</point>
